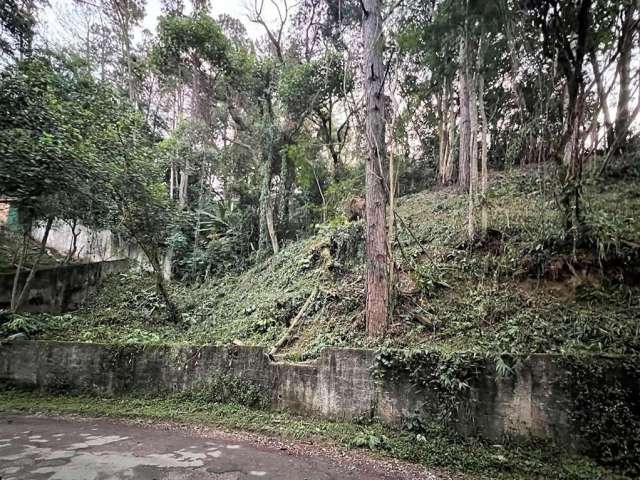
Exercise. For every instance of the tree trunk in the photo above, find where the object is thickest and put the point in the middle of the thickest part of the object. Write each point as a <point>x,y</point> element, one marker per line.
<point>287,171</point>
<point>16,276</point>
<point>73,248</point>
<point>571,63</point>
<point>377,284</point>
<point>271,228</point>
<point>465,119</point>
<point>15,307</point>
<point>484,177</point>
<point>603,100</point>
<point>473,154</point>
<point>517,91</point>
<point>624,70</point>
<point>183,188</point>
<point>173,312</point>
<point>265,189</point>
<point>446,128</point>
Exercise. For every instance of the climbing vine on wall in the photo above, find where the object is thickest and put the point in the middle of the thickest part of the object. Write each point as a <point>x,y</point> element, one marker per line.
<point>605,408</point>
<point>448,378</point>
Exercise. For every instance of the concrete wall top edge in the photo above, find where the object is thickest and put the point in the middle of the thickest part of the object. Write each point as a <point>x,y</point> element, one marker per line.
<point>325,353</point>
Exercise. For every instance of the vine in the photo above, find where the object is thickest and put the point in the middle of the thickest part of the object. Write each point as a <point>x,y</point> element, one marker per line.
<point>604,406</point>
<point>448,377</point>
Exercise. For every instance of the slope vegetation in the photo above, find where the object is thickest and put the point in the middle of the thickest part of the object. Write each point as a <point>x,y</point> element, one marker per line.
<point>525,287</point>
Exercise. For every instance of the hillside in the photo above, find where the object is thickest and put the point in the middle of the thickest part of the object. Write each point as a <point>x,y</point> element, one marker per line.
<point>525,288</point>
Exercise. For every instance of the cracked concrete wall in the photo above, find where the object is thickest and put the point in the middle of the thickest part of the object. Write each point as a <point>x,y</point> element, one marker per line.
<point>62,288</point>
<point>338,385</point>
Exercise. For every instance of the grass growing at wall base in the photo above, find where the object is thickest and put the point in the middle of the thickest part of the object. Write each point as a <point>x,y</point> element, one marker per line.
<point>435,449</point>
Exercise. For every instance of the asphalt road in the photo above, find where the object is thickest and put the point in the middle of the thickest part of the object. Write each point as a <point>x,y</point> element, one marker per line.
<point>62,448</point>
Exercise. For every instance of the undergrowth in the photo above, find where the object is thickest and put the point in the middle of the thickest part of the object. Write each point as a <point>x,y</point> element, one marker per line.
<point>523,288</point>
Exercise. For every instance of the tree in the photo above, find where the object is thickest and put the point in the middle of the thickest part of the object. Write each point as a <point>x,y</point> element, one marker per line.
<point>46,160</point>
<point>377,267</point>
<point>17,23</point>
<point>628,30</point>
<point>561,21</point>
<point>123,16</point>
<point>73,149</point>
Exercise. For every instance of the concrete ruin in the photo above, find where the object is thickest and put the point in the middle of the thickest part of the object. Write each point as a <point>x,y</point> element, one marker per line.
<point>60,288</point>
<point>531,402</point>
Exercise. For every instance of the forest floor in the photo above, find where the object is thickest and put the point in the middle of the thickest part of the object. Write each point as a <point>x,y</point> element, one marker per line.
<point>366,447</point>
<point>526,287</point>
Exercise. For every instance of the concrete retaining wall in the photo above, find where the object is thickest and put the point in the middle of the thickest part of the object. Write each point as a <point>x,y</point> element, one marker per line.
<point>98,246</point>
<point>339,385</point>
<point>62,288</point>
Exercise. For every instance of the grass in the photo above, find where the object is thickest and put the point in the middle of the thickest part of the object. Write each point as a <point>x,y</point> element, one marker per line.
<point>433,449</point>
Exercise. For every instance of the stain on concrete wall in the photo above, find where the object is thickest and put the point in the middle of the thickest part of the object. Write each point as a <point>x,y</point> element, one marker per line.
<point>61,288</point>
<point>340,384</point>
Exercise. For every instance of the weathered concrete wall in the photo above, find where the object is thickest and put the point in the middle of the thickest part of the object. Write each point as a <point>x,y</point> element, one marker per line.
<point>97,246</point>
<point>340,384</point>
<point>62,288</point>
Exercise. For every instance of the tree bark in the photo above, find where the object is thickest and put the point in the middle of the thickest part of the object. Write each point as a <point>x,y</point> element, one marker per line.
<point>16,276</point>
<point>603,100</point>
<point>473,153</point>
<point>73,248</point>
<point>571,60</point>
<point>377,268</point>
<point>624,70</point>
<point>183,188</point>
<point>173,312</point>
<point>465,118</point>
<point>484,175</point>
<point>271,228</point>
<point>266,172</point>
<point>446,128</point>
<point>15,307</point>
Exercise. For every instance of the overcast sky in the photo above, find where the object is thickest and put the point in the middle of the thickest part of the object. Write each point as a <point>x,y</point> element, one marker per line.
<point>56,21</point>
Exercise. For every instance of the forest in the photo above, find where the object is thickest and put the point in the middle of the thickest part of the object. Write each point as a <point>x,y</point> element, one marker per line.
<point>427,147</point>
<point>455,175</point>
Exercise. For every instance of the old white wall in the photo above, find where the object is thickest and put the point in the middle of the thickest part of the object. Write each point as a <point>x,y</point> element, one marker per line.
<point>96,245</point>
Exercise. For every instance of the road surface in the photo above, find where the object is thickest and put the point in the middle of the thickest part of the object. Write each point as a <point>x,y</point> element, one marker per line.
<point>63,448</point>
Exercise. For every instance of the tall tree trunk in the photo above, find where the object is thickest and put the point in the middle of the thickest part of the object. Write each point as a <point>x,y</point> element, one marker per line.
<point>465,118</point>
<point>624,70</point>
<point>603,100</point>
<point>265,210</point>
<point>473,155</point>
<point>446,127</point>
<point>377,285</point>
<point>287,171</point>
<point>183,188</point>
<point>571,62</point>
<point>484,175</point>
<point>517,89</point>
<point>17,305</point>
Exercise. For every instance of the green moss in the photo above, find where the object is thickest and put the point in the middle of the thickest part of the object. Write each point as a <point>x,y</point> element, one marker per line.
<point>433,448</point>
<point>227,388</point>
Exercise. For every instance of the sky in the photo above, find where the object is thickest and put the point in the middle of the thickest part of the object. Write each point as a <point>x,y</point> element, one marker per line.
<point>56,22</point>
